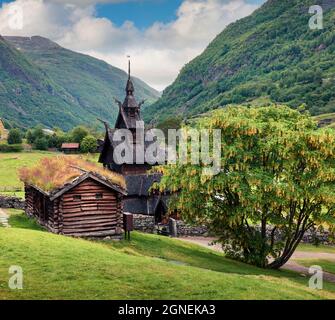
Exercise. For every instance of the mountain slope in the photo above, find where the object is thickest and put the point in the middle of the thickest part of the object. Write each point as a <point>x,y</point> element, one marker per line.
<point>41,82</point>
<point>271,55</point>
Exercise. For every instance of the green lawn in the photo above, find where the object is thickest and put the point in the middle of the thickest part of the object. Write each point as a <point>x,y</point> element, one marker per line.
<point>319,248</point>
<point>10,163</point>
<point>326,116</point>
<point>148,267</point>
<point>18,219</point>
<point>327,265</point>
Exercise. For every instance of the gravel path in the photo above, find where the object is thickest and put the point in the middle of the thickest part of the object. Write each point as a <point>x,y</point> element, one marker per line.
<point>292,265</point>
<point>4,218</point>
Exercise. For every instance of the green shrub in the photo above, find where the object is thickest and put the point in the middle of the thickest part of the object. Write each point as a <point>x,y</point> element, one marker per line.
<point>14,136</point>
<point>11,148</point>
<point>41,144</point>
<point>78,134</point>
<point>89,144</point>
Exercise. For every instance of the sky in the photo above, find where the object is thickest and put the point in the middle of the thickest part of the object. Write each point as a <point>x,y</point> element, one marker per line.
<point>161,36</point>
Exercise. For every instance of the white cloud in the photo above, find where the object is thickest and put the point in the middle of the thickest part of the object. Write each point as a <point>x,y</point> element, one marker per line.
<point>90,2</point>
<point>158,52</point>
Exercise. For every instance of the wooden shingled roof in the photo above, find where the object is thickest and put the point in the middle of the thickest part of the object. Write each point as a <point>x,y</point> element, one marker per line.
<point>71,145</point>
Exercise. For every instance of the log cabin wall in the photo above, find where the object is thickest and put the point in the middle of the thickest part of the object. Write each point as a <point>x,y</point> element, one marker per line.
<point>39,206</point>
<point>29,201</point>
<point>89,209</point>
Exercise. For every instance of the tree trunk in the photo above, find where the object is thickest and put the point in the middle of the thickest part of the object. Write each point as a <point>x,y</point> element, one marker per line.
<point>278,263</point>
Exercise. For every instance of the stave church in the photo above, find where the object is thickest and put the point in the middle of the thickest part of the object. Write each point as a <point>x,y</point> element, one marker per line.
<point>139,198</point>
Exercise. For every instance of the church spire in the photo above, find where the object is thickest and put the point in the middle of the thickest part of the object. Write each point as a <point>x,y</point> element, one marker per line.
<point>130,87</point>
<point>129,68</point>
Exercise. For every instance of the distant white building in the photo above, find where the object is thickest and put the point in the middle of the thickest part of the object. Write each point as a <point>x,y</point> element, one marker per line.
<point>48,132</point>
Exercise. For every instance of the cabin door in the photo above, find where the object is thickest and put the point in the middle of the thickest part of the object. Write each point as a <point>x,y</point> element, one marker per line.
<point>160,213</point>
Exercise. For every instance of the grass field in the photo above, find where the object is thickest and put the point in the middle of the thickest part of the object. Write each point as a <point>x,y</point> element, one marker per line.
<point>10,163</point>
<point>328,117</point>
<point>17,219</point>
<point>327,265</point>
<point>320,248</point>
<point>148,267</point>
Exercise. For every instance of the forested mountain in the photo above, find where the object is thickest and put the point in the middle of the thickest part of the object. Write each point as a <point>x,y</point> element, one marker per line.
<point>41,82</point>
<point>272,55</point>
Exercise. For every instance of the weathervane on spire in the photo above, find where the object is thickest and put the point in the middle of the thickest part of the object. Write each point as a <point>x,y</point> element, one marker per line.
<point>130,86</point>
<point>128,66</point>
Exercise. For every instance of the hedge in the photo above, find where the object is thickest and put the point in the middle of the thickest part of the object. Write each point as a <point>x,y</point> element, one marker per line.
<point>11,148</point>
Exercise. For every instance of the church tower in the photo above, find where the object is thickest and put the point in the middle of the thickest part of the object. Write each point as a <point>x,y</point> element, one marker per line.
<point>139,199</point>
<point>129,111</point>
<point>129,118</point>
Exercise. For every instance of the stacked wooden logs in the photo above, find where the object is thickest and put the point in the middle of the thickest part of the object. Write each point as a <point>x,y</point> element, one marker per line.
<point>90,209</point>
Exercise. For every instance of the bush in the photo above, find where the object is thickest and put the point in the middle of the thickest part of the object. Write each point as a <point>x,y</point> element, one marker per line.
<point>89,144</point>
<point>14,137</point>
<point>55,141</point>
<point>41,144</point>
<point>78,134</point>
<point>11,148</point>
<point>34,134</point>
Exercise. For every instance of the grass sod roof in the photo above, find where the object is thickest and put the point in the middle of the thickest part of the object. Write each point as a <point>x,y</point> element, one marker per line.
<point>51,174</point>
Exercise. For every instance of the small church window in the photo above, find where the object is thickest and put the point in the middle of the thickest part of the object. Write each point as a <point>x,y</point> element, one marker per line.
<point>77,198</point>
<point>99,196</point>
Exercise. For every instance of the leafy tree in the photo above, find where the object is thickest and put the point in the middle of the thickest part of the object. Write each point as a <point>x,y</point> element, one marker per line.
<point>89,144</point>
<point>30,137</point>
<point>78,134</point>
<point>38,132</point>
<point>277,180</point>
<point>14,136</point>
<point>34,134</point>
<point>41,144</point>
<point>56,140</point>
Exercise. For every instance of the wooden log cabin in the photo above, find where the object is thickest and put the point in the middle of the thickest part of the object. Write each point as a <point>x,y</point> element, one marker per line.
<point>88,206</point>
<point>70,148</point>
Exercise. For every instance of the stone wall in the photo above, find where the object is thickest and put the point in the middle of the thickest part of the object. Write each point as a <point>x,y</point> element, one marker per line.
<point>185,230</point>
<point>11,202</point>
<point>144,223</point>
<point>312,236</point>
<point>320,237</point>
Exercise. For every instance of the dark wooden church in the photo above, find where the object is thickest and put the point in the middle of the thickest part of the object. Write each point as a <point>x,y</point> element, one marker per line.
<point>139,198</point>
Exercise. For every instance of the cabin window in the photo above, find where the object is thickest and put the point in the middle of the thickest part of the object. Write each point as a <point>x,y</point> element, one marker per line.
<point>77,198</point>
<point>99,196</point>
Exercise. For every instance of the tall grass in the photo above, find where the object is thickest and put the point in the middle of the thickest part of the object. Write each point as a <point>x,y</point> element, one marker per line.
<point>52,173</point>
